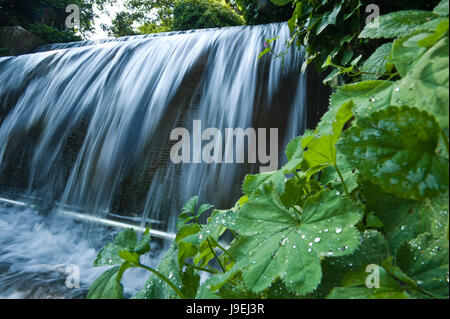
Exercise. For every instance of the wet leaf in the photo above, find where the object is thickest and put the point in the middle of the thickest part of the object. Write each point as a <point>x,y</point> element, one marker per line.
<point>279,244</point>
<point>396,149</point>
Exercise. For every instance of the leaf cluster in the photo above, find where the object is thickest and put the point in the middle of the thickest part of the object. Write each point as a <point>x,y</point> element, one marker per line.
<point>367,189</point>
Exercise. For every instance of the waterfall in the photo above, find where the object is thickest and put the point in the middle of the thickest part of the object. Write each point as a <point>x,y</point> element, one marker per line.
<point>86,126</point>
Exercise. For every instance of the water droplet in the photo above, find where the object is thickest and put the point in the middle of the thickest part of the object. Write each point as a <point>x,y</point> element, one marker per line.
<point>317,240</point>
<point>294,246</point>
<point>397,89</point>
<point>283,242</point>
<point>338,230</point>
<point>170,275</point>
<point>403,227</point>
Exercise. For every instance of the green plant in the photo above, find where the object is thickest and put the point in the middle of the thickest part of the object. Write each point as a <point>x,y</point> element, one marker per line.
<point>330,29</point>
<point>368,189</point>
<point>200,14</point>
<point>53,35</point>
<point>262,12</point>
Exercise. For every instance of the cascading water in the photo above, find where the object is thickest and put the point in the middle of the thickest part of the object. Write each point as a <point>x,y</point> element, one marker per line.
<point>86,127</point>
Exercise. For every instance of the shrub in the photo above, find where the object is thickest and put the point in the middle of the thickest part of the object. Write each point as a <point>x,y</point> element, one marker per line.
<point>52,35</point>
<point>201,14</point>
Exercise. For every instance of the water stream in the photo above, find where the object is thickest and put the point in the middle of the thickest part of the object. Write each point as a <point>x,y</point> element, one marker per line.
<point>86,127</point>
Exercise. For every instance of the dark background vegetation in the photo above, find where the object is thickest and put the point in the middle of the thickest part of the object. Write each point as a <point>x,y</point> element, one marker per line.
<point>46,18</point>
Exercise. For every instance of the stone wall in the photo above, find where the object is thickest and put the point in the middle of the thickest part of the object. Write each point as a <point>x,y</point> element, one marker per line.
<point>16,41</point>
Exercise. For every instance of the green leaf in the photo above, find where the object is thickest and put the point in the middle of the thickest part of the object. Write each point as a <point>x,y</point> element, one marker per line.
<point>190,282</point>
<point>320,151</point>
<point>186,250</point>
<point>109,255</point>
<point>425,260</point>
<point>373,250</point>
<point>431,39</point>
<point>278,243</point>
<point>190,212</point>
<point>155,288</point>
<point>354,287</point>
<point>376,63</point>
<point>130,257</point>
<point>331,178</point>
<point>399,24</point>
<point>396,149</point>
<point>406,51</point>
<point>329,18</point>
<point>214,228</point>
<point>403,219</point>
<point>294,150</point>
<point>442,8</point>
<point>372,221</point>
<point>334,120</point>
<point>427,85</point>
<point>281,2</point>
<point>107,286</point>
<point>190,206</point>
<point>367,96</point>
<point>126,239</point>
<point>214,283</point>
<point>252,182</point>
<point>143,246</point>
<point>297,190</point>
<point>365,293</point>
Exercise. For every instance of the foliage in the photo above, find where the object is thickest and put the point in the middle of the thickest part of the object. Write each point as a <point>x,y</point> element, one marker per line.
<point>53,35</point>
<point>330,29</point>
<point>122,24</point>
<point>262,11</point>
<point>367,190</point>
<point>47,17</point>
<point>201,14</point>
<point>150,16</point>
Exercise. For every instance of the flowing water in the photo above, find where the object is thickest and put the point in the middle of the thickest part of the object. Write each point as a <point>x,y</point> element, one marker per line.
<point>86,127</point>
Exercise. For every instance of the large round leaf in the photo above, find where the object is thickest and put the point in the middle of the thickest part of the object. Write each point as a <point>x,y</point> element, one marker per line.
<point>396,149</point>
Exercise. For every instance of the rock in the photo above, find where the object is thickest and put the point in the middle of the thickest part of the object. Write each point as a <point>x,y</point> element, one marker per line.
<point>16,41</point>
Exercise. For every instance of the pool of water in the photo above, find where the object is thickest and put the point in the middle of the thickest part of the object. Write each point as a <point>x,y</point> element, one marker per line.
<point>43,256</point>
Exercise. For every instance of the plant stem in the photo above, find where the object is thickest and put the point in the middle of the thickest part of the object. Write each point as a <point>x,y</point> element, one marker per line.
<point>215,256</point>
<point>202,269</point>
<point>165,279</point>
<point>445,139</point>
<point>342,179</point>
<point>221,248</point>
<point>298,176</point>
<point>298,211</point>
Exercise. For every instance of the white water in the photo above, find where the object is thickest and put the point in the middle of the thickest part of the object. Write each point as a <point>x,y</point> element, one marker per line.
<point>36,252</point>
